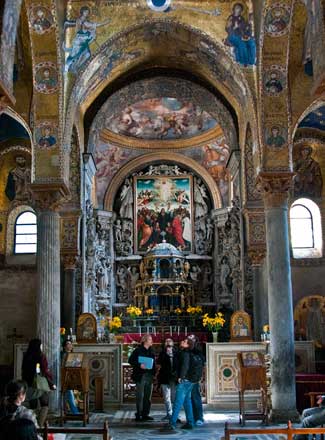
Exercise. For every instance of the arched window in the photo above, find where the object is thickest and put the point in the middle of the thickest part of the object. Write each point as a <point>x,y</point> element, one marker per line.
<point>25,233</point>
<point>306,229</point>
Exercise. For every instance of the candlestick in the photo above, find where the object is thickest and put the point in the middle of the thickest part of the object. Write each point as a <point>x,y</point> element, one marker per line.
<point>140,330</point>
<point>147,329</point>
<point>185,331</point>
<point>178,331</point>
<point>171,330</point>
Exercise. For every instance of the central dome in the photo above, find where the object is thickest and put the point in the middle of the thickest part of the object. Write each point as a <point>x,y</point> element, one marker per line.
<point>164,249</point>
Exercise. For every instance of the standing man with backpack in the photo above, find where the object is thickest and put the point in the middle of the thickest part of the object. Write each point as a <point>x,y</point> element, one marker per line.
<point>199,360</point>
<point>190,372</point>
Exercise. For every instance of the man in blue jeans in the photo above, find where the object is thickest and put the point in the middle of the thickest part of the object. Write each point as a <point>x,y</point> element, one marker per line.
<point>189,374</point>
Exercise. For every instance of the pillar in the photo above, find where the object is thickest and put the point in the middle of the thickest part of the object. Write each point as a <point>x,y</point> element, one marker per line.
<point>47,198</point>
<point>48,295</point>
<point>69,293</point>
<point>260,303</point>
<point>275,187</point>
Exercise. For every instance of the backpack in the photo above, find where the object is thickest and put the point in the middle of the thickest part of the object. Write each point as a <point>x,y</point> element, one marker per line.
<point>196,367</point>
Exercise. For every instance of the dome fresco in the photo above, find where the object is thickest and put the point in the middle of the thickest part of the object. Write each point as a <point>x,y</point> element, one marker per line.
<point>161,118</point>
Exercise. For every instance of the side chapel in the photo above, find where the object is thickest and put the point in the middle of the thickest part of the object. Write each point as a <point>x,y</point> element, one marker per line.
<point>163,154</point>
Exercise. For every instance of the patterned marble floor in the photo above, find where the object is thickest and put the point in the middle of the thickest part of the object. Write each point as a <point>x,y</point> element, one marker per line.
<point>123,427</point>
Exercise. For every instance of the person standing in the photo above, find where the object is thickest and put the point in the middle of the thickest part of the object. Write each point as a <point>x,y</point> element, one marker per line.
<point>69,396</point>
<point>167,375</point>
<point>187,377</point>
<point>33,359</point>
<point>142,375</point>
<point>198,362</point>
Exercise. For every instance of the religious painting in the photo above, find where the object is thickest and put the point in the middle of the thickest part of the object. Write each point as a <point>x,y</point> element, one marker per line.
<point>46,134</point>
<point>74,360</point>
<point>18,180</point>
<point>252,359</point>
<point>275,137</point>
<point>240,327</point>
<point>274,80</point>
<point>309,316</point>
<point>163,211</point>
<point>46,77</point>
<point>161,118</point>
<point>80,52</point>
<point>41,19</point>
<point>277,19</point>
<point>87,329</point>
<point>308,181</point>
<point>240,36</point>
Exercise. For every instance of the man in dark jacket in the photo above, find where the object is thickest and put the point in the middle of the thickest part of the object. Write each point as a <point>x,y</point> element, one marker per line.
<point>188,375</point>
<point>167,376</point>
<point>196,391</point>
<point>142,375</point>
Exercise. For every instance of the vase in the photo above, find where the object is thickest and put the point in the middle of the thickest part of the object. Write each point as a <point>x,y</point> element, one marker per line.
<point>134,322</point>
<point>111,338</point>
<point>215,336</point>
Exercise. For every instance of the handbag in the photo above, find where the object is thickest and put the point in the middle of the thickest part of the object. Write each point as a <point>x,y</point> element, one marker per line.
<point>41,383</point>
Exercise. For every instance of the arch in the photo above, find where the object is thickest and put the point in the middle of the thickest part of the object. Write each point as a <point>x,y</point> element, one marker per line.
<point>212,60</point>
<point>169,157</point>
<point>305,229</point>
<point>312,107</point>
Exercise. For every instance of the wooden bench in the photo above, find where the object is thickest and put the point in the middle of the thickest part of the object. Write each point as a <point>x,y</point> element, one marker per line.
<point>289,431</point>
<point>59,430</point>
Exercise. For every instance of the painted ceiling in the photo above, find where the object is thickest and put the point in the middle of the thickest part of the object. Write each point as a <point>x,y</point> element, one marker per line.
<point>315,119</point>
<point>161,118</point>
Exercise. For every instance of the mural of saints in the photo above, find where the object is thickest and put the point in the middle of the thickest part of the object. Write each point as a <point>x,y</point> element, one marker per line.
<point>240,36</point>
<point>80,52</point>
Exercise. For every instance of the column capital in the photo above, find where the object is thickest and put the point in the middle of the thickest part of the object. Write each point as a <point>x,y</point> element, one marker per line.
<point>275,187</point>
<point>69,261</point>
<point>257,256</point>
<point>48,196</point>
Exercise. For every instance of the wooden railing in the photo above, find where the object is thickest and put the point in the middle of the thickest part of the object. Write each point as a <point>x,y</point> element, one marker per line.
<point>289,431</point>
<point>51,430</point>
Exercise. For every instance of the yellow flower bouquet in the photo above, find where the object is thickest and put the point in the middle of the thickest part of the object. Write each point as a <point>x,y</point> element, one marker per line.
<point>214,324</point>
<point>149,312</point>
<point>115,324</point>
<point>178,311</point>
<point>133,311</point>
<point>194,311</point>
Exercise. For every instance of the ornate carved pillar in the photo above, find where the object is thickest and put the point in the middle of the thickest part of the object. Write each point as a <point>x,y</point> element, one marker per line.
<point>275,188</point>
<point>47,199</point>
<point>69,239</point>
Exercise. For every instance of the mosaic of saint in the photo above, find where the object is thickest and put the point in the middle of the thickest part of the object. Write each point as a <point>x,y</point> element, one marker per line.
<point>161,118</point>
<point>163,212</point>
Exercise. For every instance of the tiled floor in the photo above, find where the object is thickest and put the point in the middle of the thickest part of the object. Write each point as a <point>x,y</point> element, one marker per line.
<point>123,427</point>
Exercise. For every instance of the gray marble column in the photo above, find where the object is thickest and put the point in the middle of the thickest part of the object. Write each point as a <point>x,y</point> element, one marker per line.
<point>276,188</point>
<point>260,302</point>
<point>48,299</point>
<point>69,293</point>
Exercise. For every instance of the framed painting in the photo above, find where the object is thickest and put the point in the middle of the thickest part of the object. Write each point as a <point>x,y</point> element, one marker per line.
<point>74,360</point>
<point>87,329</point>
<point>163,211</point>
<point>240,327</point>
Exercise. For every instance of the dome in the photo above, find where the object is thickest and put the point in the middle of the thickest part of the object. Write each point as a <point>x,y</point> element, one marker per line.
<point>164,249</point>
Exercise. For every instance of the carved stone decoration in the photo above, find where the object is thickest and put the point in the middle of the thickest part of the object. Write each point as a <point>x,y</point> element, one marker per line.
<point>123,237</point>
<point>200,199</point>
<point>48,197</point>
<point>123,283</point>
<point>203,238</point>
<point>69,232</point>
<point>248,289</point>
<point>275,187</point>
<point>229,271</point>
<point>98,260</point>
<point>252,192</point>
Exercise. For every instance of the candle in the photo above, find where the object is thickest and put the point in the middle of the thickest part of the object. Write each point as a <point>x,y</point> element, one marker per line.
<point>185,331</point>
<point>140,330</point>
<point>154,331</point>
<point>147,329</point>
<point>178,331</point>
<point>171,330</point>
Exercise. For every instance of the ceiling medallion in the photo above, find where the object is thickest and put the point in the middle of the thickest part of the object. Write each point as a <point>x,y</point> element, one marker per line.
<point>159,5</point>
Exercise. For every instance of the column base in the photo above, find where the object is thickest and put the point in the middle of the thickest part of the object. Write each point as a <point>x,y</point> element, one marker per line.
<point>284,415</point>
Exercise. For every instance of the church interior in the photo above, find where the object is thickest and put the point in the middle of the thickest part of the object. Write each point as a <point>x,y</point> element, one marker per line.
<point>162,161</point>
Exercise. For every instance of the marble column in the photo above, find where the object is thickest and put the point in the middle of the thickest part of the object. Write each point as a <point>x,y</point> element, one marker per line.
<point>68,320</point>
<point>48,299</point>
<point>275,187</point>
<point>260,303</point>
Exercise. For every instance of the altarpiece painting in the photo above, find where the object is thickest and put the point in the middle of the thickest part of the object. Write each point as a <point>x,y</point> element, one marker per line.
<point>163,211</point>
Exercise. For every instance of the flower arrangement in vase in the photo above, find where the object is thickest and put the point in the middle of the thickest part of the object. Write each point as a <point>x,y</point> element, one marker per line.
<point>194,312</point>
<point>133,312</point>
<point>214,324</point>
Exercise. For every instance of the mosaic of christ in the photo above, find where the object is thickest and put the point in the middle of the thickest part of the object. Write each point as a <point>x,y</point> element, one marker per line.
<point>164,212</point>
<point>161,118</point>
